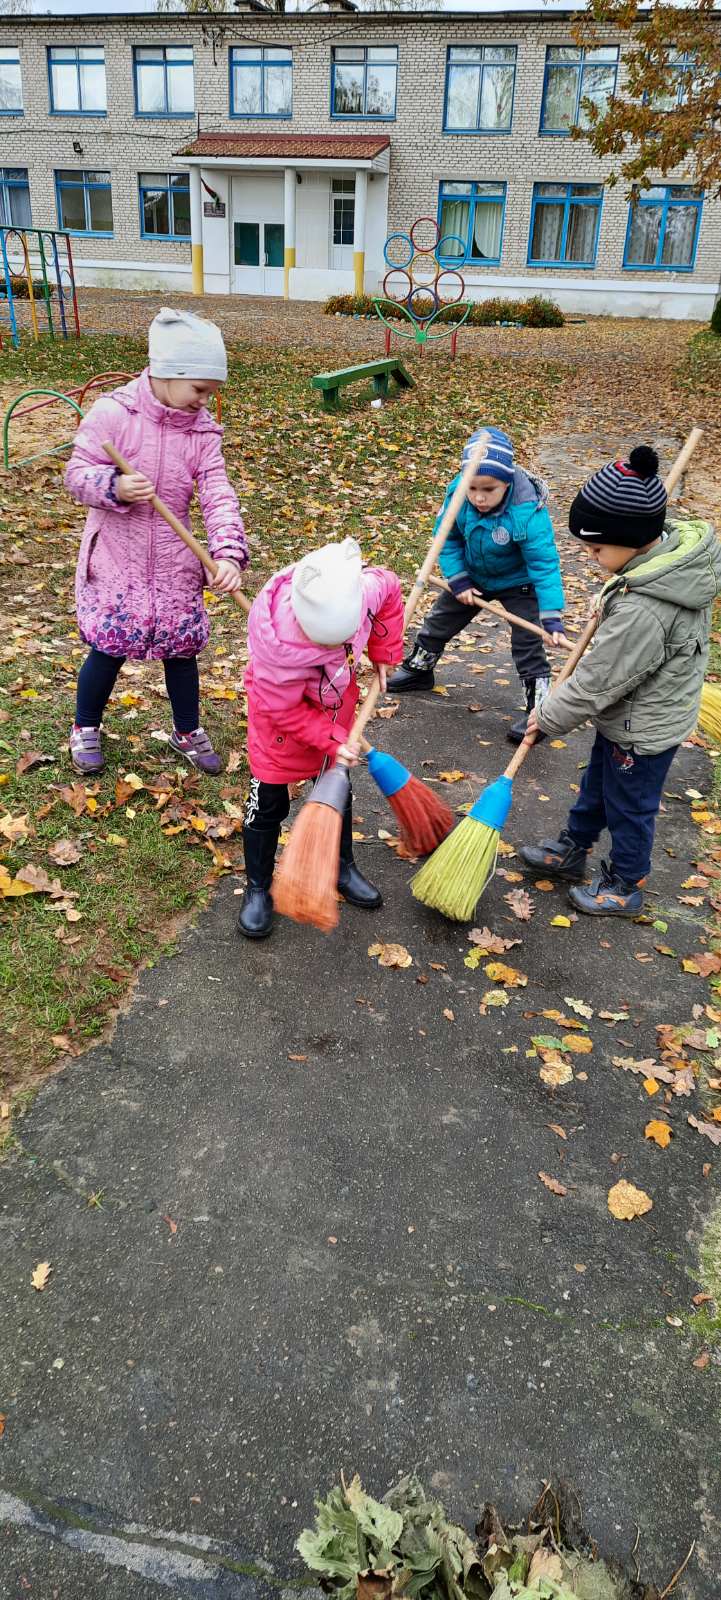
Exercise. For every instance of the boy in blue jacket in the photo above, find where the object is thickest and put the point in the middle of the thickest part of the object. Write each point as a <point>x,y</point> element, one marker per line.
<point>501,548</point>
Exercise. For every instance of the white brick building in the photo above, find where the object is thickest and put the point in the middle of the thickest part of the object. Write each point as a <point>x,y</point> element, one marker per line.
<point>273,154</point>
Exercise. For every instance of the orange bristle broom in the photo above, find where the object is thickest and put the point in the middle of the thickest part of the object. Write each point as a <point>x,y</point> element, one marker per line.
<point>305,885</point>
<point>423,818</point>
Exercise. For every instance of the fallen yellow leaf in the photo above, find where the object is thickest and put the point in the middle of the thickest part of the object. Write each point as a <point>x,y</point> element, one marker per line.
<point>391,955</point>
<point>498,972</point>
<point>557,744</point>
<point>625,1201</point>
<point>560,922</point>
<point>579,1043</point>
<point>41,1273</point>
<point>650,1085</point>
<point>660,1132</point>
<point>554,1073</point>
<point>452,777</point>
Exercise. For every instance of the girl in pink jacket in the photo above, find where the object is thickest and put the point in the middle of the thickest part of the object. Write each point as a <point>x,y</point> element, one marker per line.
<point>307,630</point>
<point>139,590</point>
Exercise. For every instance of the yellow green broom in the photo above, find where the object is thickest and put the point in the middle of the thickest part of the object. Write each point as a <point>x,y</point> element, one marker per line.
<point>453,879</point>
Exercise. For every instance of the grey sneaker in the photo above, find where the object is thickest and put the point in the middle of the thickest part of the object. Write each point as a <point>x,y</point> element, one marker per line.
<point>198,750</point>
<point>86,750</point>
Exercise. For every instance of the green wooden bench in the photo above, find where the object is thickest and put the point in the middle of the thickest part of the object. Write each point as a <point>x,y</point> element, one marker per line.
<point>330,383</point>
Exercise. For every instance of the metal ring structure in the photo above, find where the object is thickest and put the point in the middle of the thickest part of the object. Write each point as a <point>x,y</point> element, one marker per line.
<point>445,298</point>
<point>407,240</point>
<point>399,299</point>
<point>46,241</point>
<point>65,290</point>
<point>445,255</point>
<point>427,294</point>
<point>23,269</point>
<point>424,249</point>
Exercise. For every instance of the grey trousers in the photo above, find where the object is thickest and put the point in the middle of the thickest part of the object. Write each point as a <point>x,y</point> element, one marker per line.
<point>449,617</point>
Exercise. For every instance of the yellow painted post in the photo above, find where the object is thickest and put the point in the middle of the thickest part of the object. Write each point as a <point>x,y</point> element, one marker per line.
<point>197,264</point>
<point>359,265</point>
<point>288,264</point>
<point>196,231</point>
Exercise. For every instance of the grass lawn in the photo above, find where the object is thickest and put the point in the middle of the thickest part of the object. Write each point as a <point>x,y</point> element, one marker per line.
<point>146,854</point>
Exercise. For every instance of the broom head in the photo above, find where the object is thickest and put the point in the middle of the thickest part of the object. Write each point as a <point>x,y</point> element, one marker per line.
<point>455,876</point>
<point>709,716</point>
<point>305,885</point>
<point>424,819</point>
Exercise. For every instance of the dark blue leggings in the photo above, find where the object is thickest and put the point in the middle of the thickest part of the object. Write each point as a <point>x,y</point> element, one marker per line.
<point>96,681</point>
<point>621,791</point>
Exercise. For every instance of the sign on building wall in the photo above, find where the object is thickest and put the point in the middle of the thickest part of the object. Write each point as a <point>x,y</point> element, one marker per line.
<point>213,208</point>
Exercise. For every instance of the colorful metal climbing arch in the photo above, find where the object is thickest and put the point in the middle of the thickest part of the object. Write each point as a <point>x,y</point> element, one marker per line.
<point>37,263</point>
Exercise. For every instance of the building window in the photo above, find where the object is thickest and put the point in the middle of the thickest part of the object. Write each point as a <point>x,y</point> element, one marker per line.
<point>470,217</point>
<point>572,76</point>
<point>164,205</point>
<point>77,80</point>
<point>261,81</point>
<point>663,225</point>
<point>565,219</point>
<point>364,81</point>
<point>11,89</point>
<point>15,198</point>
<point>480,83</point>
<point>682,68</point>
<point>84,201</point>
<point>343,210</point>
<point>163,80</point>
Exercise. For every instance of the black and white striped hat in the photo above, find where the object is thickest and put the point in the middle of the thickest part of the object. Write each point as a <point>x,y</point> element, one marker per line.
<point>624,503</point>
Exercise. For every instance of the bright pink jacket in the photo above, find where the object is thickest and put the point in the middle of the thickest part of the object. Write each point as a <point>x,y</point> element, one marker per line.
<point>139,590</point>
<point>301,696</point>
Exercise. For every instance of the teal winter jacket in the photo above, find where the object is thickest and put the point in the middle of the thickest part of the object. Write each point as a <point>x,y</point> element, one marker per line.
<point>505,548</point>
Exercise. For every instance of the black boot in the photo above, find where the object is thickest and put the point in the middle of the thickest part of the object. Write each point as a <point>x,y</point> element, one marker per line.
<point>255,918</point>
<point>351,884</point>
<point>416,672</point>
<point>536,691</point>
<point>561,857</point>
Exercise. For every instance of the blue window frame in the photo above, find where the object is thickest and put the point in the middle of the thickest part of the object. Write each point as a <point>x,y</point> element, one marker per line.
<point>682,67</point>
<point>84,201</point>
<point>364,81</point>
<point>261,81</point>
<point>565,220</point>
<point>571,76</point>
<point>163,80</point>
<point>471,217</point>
<point>480,87</point>
<point>663,228</point>
<point>15,198</point>
<point>164,205</point>
<point>76,75</point>
<point>11,87</point>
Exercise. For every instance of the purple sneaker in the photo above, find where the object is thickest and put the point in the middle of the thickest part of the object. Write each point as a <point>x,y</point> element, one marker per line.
<point>198,750</point>
<point>86,750</point>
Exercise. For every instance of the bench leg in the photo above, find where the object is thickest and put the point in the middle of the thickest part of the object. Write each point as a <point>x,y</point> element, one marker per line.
<point>380,383</point>
<point>330,399</point>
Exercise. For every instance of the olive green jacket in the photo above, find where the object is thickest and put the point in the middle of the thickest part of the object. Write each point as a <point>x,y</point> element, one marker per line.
<point>640,680</point>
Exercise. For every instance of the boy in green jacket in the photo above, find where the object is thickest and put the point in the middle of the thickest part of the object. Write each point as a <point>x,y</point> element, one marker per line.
<point>639,682</point>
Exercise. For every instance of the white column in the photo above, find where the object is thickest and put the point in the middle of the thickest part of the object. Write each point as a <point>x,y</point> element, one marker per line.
<point>196,230</point>
<point>290,186</point>
<point>359,230</point>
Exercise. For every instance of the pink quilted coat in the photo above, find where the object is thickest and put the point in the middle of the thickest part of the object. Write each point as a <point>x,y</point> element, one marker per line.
<point>138,589</point>
<point>301,696</point>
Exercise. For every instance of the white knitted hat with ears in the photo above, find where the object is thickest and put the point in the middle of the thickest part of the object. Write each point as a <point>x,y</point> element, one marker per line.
<point>181,345</point>
<point>327,592</point>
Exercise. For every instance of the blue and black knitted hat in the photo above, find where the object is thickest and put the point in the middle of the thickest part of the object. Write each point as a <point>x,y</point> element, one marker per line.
<point>498,459</point>
<point>625,503</point>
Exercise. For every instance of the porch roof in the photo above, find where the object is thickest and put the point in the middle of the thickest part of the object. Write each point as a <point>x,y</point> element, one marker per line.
<point>370,150</point>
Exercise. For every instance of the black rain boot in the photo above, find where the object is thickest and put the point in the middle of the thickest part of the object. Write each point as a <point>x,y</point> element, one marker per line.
<point>416,672</point>
<point>536,691</point>
<point>351,884</point>
<point>561,857</point>
<point>255,918</point>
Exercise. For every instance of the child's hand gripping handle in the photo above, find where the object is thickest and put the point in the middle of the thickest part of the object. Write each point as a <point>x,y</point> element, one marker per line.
<point>571,662</point>
<point>177,526</point>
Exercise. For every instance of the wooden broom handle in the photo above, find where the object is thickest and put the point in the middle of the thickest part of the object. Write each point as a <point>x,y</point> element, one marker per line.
<point>573,659</point>
<point>446,523</point>
<point>178,527</point>
<point>497,610</point>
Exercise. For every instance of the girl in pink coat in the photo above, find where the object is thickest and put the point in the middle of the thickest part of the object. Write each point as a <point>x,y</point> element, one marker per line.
<point>307,630</point>
<point>139,590</point>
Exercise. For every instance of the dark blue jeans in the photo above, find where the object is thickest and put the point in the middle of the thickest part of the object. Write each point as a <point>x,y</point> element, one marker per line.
<point>96,681</point>
<point>621,791</point>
